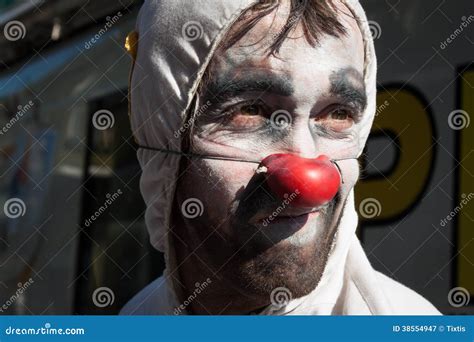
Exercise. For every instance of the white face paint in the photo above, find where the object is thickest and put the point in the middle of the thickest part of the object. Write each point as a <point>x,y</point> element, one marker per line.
<point>320,96</point>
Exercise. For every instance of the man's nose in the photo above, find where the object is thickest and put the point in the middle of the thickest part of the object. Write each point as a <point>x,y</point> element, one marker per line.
<point>301,140</point>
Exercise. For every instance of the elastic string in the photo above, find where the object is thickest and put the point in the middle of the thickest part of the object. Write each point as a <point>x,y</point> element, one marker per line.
<point>205,156</point>
<point>197,155</point>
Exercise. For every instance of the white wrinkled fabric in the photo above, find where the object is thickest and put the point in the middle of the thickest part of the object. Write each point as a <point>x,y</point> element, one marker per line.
<point>165,77</point>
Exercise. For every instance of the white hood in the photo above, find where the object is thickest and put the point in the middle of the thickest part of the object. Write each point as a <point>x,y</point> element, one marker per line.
<point>176,40</point>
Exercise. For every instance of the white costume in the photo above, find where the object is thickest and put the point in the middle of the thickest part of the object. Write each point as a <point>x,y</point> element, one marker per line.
<point>176,40</point>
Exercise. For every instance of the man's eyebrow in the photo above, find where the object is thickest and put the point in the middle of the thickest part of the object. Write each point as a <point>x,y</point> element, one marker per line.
<point>227,87</point>
<point>348,85</point>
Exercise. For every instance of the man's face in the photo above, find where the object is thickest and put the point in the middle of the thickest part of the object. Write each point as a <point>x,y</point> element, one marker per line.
<point>322,90</point>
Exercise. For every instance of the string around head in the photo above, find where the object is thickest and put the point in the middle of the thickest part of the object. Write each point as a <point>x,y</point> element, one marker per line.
<point>198,155</point>
<point>206,156</point>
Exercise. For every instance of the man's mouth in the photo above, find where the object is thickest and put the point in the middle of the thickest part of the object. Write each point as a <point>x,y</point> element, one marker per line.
<point>290,224</point>
<point>277,227</point>
<point>292,218</point>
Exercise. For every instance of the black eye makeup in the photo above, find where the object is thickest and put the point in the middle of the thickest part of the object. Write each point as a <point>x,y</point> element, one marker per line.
<point>338,118</point>
<point>251,116</point>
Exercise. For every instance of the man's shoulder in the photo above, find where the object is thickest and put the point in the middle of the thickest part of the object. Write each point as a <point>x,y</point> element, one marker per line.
<point>404,300</point>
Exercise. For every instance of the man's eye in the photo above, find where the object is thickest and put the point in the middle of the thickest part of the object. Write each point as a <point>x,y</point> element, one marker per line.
<point>340,114</point>
<point>338,120</point>
<point>251,110</point>
<point>246,116</point>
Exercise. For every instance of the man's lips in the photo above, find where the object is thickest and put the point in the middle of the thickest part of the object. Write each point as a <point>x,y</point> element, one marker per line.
<point>289,216</point>
<point>275,227</point>
<point>281,227</point>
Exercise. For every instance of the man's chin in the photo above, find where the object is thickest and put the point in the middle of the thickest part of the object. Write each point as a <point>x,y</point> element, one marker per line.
<point>283,255</point>
<point>297,268</point>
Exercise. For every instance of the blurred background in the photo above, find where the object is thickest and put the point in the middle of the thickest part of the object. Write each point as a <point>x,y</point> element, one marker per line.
<point>72,233</point>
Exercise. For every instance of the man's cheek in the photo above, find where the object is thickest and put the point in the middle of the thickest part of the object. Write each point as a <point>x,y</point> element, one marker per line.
<point>224,181</point>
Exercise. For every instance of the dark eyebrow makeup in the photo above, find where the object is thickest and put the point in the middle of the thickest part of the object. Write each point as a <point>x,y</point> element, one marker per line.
<point>348,85</point>
<point>227,87</point>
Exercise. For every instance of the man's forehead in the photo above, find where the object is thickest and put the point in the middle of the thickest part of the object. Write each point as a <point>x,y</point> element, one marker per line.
<point>252,50</point>
<point>281,18</point>
<point>286,73</point>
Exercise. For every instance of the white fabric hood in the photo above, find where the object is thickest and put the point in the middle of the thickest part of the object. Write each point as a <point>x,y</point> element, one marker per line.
<point>176,40</point>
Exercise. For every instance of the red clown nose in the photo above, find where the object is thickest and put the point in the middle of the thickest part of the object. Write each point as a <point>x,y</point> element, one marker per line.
<point>314,181</point>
